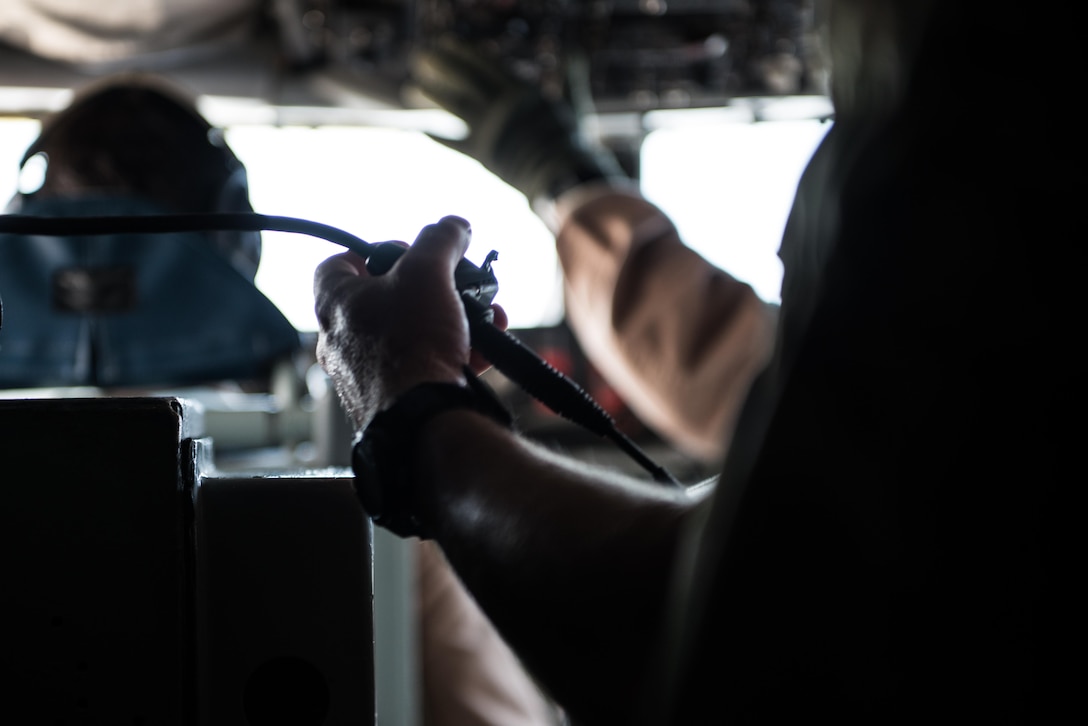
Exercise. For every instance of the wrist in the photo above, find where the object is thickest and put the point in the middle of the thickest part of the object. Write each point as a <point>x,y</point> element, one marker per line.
<point>387,451</point>
<point>409,380</point>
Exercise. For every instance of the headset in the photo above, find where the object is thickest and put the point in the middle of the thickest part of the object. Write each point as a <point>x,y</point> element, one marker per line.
<point>116,310</point>
<point>136,134</point>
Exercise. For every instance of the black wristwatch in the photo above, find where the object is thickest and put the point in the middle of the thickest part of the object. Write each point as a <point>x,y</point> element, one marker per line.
<point>384,452</point>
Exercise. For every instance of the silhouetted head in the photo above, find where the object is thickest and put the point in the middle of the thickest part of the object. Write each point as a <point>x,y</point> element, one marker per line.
<point>139,136</point>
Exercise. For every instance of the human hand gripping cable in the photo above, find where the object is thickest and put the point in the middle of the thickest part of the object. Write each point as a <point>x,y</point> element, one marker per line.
<point>386,329</point>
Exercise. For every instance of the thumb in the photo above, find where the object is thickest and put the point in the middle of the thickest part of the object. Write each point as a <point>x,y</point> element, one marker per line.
<point>443,243</point>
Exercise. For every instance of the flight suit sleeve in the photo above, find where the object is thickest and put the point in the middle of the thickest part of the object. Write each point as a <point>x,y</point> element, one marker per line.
<point>679,339</point>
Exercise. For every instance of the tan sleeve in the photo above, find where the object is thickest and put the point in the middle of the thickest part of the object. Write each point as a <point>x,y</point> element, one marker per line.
<point>470,676</point>
<point>679,339</point>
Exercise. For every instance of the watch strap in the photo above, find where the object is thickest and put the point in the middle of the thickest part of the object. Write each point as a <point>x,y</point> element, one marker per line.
<point>383,455</point>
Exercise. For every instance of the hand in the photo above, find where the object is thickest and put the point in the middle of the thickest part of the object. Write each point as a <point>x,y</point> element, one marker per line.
<point>530,142</point>
<point>378,336</point>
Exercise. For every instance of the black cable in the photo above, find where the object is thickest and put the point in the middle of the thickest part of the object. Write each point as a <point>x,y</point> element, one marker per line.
<point>508,354</point>
<point>523,366</point>
<point>162,223</point>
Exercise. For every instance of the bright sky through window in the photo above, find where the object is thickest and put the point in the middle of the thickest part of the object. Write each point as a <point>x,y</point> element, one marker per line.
<point>727,186</point>
<point>383,184</point>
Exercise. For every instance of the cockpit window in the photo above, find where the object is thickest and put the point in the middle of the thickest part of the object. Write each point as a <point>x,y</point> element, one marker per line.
<point>728,188</point>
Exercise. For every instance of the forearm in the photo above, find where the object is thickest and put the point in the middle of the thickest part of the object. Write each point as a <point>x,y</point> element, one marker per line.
<point>469,673</point>
<point>572,565</point>
<point>678,338</point>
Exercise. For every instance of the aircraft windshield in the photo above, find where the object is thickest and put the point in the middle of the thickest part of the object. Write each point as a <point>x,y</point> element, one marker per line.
<point>727,186</point>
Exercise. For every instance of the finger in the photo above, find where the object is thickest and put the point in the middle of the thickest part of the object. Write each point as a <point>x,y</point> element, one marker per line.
<point>502,322</point>
<point>443,243</point>
<point>332,275</point>
<point>336,269</point>
<point>384,256</point>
